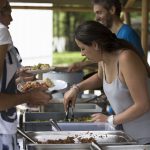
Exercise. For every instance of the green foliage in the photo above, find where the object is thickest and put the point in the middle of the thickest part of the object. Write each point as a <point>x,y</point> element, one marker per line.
<point>64,21</point>
<point>66,58</point>
<point>64,24</point>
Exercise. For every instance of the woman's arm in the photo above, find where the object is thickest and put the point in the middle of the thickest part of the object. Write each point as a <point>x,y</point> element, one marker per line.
<point>81,65</point>
<point>92,82</point>
<point>134,74</point>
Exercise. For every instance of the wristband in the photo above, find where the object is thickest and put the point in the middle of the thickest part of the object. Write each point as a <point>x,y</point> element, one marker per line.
<point>76,87</point>
<point>110,120</point>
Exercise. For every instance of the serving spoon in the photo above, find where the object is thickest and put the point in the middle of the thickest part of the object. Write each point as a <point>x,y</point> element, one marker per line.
<point>26,136</point>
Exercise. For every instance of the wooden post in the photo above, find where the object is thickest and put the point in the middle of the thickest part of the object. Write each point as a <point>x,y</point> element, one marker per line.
<point>126,14</point>
<point>144,26</point>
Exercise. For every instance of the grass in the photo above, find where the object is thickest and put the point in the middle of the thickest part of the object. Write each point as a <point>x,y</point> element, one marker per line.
<point>65,58</point>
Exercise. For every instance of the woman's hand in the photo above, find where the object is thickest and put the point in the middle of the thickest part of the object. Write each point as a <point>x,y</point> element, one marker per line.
<point>70,96</point>
<point>75,67</point>
<point>99,117</point>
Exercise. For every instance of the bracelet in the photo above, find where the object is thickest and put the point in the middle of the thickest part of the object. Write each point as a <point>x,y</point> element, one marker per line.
<point>76,87</point>
<point>110,120</point>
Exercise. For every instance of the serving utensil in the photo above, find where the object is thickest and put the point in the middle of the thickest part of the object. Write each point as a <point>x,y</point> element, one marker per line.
<point>67,114</point>
<point>54,124</point>
<point>25,135</point>
<point>69,109</point>
<point>95,146</point>
<point>72,114</point>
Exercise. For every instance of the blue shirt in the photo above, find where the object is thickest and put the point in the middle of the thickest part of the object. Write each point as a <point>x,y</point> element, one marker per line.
<point>128,34</point>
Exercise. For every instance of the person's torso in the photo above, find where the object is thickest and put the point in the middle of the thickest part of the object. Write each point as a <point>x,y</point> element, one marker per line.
<point>8,118</point>
<point>128,34</point>
<point>120,99</point>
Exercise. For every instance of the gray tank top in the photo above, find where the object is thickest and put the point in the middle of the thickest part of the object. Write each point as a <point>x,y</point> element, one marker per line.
<point>120,99</point>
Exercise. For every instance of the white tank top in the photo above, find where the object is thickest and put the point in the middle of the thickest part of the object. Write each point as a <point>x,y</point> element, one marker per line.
<point>120,99</point>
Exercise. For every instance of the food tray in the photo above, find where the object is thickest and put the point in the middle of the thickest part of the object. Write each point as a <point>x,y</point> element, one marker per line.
<point>34,121</point>
<point>127,147</point>
<point>59,107</point>
<point>85,147</point>
<point>101,137</point>
<point>85,126</point>
<point>45,116</point>
<point>58,147</point>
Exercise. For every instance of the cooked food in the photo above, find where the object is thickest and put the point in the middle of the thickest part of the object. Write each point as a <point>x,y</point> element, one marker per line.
<point>40,66</point>
<point>76,119</point>
<point>49,82</point>
<point>79,119</point>
<point>30,85</point>
<point>68,140</point>
<point>83,119</point>
<point>87,140</point>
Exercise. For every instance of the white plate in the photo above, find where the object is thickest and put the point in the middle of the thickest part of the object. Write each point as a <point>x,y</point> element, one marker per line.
<point>58,86</point>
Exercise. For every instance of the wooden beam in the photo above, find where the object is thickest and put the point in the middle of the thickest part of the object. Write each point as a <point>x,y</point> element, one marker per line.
<point>56,8</point>
<point>129,3</point>
<point>126,14</point>
<point>70,8</point>
<point>144,26</point>
<point>56,2</point>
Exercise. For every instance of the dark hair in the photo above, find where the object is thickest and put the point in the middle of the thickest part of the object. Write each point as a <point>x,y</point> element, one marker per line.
<point>91,31</point>
<point>107,41</point>
<point>6,8</point>
<point>108,4</point>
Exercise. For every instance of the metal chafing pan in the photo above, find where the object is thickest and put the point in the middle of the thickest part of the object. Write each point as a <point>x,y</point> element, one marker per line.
<point>45,116</point>
<point>85,147</point>
<point>58,146</point>
<point>79,107</point>
<point>101,137</point>
<point>37,121</point>
<point>127,147</point>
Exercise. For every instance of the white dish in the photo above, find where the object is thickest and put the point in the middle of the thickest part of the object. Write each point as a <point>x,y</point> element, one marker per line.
<point>59,85</point>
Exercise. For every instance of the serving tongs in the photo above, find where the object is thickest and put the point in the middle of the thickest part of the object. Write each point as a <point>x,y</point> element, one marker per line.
<point>69,118</point>
<point>26,136</point>
<point>54,124</point>
<point>95,146</point>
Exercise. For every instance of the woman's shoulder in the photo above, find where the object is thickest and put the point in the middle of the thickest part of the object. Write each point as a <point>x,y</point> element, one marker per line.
<point>128,57</point>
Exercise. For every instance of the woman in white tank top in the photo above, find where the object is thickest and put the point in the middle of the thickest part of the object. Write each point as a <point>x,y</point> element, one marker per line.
<point>124,75</point>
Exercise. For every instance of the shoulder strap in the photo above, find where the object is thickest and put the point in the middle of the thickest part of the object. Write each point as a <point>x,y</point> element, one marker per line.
<point>9,57</point>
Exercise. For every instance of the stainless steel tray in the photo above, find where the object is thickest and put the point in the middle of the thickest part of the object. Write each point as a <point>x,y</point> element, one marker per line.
<point>34,121</point>
<point>81,107</point>
<point>85,147</point>
<point>83,126</point>
<point>45,116</point>
<point>127,147</point>
<point>101,137</point>
<point>58,146</point>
